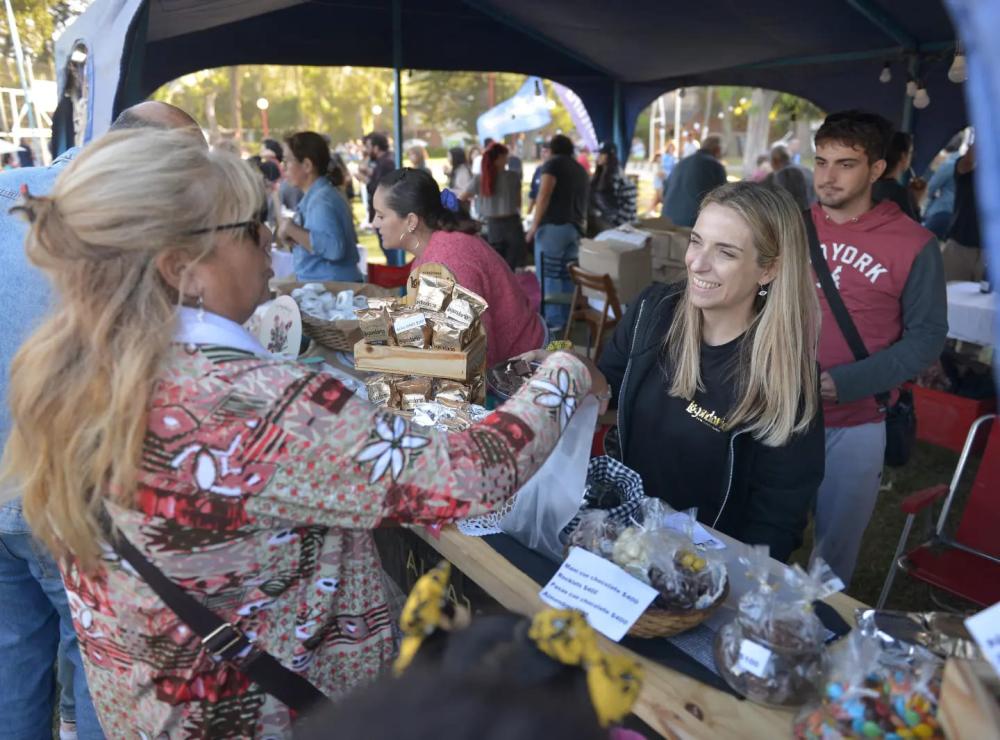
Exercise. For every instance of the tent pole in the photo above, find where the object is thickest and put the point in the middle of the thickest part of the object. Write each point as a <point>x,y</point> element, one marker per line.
<point>397,63</point>
<point>617,129</point>
<point>907,119</point>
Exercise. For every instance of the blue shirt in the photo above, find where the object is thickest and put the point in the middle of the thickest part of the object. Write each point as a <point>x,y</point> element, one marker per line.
<point>24,290</point>
<point>941,188</point>
<point>324,213</point>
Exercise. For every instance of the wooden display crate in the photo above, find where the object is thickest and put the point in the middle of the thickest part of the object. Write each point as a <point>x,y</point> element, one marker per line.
<point>461,365</point>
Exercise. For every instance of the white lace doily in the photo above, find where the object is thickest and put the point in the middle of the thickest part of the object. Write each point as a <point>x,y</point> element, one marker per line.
<point>480,526</point>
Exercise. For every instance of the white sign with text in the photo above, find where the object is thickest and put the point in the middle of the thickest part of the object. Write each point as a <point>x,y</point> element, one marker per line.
<point>611,599</point>
<point>985,630</point>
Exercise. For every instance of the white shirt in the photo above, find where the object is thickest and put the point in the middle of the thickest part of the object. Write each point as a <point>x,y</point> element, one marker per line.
<point>214,329</point>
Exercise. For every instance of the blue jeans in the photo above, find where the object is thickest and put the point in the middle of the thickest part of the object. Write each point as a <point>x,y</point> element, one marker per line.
<point>36,633</point>
<point>562,242</point>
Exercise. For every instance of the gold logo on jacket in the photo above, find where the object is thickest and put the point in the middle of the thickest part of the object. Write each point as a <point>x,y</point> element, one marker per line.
<point>705,416</point>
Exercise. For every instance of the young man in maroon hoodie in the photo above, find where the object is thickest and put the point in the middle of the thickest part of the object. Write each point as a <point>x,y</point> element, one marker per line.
<point>889,273</point>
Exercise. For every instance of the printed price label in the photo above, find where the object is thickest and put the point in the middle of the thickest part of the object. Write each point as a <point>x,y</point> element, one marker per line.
<point>985,630</point>
<point>754,658</point>
<point>406,323</point>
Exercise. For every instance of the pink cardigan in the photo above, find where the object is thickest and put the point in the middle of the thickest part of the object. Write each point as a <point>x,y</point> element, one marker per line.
<point>511,326</point>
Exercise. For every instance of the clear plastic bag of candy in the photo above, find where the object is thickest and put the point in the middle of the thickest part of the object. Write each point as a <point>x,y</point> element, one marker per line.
<point>773,651</point>
<point>596,532</point>
<point>875,692</point>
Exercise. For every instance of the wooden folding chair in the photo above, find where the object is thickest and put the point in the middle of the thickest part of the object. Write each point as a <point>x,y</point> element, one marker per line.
<point>967,565</point>
<point>597,321</point>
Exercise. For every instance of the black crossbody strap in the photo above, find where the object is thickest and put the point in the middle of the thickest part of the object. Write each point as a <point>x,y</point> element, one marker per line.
<point>836,303</point>
<point>220,638</point>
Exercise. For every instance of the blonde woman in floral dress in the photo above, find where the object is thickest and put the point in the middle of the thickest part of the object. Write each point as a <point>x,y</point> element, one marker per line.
<point>252,482</point>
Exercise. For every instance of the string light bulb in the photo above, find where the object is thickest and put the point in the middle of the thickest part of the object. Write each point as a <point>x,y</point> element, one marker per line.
<point>911,87</point>
<point>921,100</point>
<point>886,74</point>
<point>957,72</point>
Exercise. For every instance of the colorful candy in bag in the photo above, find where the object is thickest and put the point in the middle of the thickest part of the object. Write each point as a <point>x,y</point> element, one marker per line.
<point>872,692</point>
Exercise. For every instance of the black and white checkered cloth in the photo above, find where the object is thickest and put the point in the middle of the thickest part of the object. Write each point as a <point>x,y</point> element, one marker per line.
<point>627,483</point>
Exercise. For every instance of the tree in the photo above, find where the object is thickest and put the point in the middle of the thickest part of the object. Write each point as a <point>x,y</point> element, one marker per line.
<point>38,22</point>
<point>758,127</point>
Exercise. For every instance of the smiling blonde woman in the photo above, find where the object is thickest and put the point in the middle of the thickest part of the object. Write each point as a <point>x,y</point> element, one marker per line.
<point>715,379</point>
<point>251,482</point>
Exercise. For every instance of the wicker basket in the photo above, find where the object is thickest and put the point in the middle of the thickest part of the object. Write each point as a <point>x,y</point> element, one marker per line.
<point>341,335</point>
<point>665,623</point>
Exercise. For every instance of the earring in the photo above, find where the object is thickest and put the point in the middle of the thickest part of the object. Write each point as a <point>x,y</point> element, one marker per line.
<point>201,308</point>
<point>763,291</point>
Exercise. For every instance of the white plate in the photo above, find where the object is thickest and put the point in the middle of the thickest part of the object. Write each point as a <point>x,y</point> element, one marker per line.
<point>280,329</point>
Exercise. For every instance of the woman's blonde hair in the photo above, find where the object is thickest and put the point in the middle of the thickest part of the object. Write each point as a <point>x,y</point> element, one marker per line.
<point>80,385</point>
<point>777,394</point>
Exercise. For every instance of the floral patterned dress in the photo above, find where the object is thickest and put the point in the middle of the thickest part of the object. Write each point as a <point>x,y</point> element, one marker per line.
<point>259,485</point>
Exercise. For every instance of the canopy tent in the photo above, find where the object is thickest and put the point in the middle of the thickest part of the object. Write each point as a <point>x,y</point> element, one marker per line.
<point>617,58</point>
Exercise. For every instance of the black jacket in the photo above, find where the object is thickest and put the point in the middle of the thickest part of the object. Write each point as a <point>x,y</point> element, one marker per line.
<point>769,490</point>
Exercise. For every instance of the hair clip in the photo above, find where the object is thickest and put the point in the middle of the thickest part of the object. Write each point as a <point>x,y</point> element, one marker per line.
<point>613,681</point>
<point>449,200</point>
<point>425,612</point>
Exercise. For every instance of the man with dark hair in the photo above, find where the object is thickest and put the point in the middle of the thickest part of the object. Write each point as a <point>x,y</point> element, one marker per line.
<point>271,149</point>
<point>888,272</point>
<point>560,220</point>
<point>691,180</point>
<point>378,162</point>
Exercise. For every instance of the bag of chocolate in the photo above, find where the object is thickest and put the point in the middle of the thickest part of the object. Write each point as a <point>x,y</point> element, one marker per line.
<point>465,307</point>
<point>452,393</point>
<point>433,292</point>
<point>412,392</point>
<point>411,328</point>
<point>381,391</point>
<point>374,324</point>
<point>448,336</point>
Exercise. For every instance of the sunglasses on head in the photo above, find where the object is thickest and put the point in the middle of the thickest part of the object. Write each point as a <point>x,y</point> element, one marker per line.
<point>252,226</point>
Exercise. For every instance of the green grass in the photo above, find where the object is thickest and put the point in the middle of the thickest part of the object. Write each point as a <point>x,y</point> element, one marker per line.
<point>930,465</point>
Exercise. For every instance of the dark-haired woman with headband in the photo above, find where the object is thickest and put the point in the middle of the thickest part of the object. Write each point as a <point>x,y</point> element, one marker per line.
<point>322,234</point>
<point>412,212</point>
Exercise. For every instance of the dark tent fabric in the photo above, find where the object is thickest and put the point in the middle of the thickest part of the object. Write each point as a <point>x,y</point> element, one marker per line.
<point>616,56</point>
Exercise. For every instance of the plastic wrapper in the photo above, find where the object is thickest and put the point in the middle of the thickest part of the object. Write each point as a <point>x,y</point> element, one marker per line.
<point>433,292</point>
<point>465,307</point>
<point>412,392</point>
<point>452,393</point>
<point>315,300</point>
<point>411,328</point>
<point>773,652</point>
<point>449,336</point>
<point>381,391</point>
<point>876,690</point>
<point>942,633</point>
<point>374,325</point>
<point>595,532</point>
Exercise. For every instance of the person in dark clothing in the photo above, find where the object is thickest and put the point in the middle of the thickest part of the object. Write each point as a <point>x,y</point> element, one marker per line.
<point>380,163</point>
<point>898,154</point>
<point>612,196</point>
<point>692,178</point>
<point>559,220</point>
<point>963,252</point>
<point>715,379</point>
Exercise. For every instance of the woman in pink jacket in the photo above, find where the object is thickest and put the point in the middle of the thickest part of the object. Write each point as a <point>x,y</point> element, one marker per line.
<point>412,213</point>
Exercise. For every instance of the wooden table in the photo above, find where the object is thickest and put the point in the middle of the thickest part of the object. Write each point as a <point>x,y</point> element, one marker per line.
<point>673,704</point>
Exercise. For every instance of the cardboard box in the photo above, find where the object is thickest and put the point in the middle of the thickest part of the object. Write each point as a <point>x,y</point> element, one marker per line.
<point>630,269</point>
<point>668,244</point>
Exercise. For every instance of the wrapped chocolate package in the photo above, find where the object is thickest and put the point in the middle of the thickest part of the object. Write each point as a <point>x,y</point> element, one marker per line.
<point>374,324</point>
<point>773,652</point>
<point>452,393</point>
<point>449,336</point>
<point>465,307</point>
<point>412,392</point>
<point>433,292</point>
<point>411,328</point>
<point>381,391</point>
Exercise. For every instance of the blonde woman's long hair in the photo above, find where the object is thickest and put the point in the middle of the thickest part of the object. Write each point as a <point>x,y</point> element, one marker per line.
<point>777,394</point>
<point>80,386</point>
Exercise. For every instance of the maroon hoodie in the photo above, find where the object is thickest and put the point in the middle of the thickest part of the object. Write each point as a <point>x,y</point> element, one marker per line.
<point>870,258</point>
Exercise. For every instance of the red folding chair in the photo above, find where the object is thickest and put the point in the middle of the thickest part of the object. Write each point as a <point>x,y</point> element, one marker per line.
<point>389,276</point>
<point>967,565</point>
